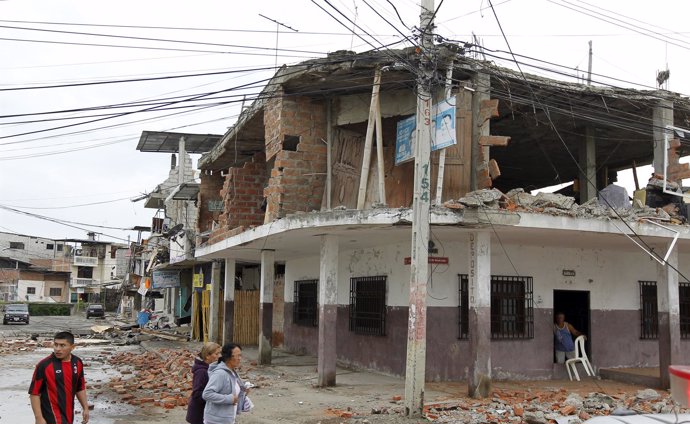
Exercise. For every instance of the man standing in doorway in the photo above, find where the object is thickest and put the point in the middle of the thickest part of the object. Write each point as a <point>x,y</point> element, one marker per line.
<point>56,381</point>
<point>563,342</point>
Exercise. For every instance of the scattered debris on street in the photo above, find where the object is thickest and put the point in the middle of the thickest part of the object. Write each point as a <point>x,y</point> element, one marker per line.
<point>544,407</point>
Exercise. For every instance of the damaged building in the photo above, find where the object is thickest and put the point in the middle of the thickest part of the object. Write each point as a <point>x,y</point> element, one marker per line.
<point>318,218</point>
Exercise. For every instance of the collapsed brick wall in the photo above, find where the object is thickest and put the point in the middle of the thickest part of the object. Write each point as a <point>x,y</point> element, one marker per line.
<point>209,190</point>
<point>297,180</point>
<point>676,171</point>
<point>243,198</point>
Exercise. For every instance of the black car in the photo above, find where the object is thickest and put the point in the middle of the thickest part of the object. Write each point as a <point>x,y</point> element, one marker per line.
<point>18,312</point>
<point>95,310</point>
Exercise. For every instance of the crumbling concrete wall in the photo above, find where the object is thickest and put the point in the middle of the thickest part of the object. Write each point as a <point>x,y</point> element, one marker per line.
<point>243,199</point>
<point>295,128</point>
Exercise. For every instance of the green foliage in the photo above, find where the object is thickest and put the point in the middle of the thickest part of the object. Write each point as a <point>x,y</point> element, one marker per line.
<point>49,309</point>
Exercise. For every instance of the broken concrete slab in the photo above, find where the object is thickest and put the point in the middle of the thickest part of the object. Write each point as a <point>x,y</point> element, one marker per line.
<point>555,200</point>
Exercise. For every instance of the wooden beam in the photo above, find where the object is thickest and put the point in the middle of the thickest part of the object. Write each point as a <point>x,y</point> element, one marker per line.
<point>379,154</point>
<point>493,140</point>
<point>371,123</point>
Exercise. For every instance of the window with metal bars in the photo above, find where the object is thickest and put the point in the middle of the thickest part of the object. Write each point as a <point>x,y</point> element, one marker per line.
<point>684,303</point>
<point>648,310</point>
<point>512,315</point>
<point>305,306</point>
<point>368,305</point>
<point>463,308</point>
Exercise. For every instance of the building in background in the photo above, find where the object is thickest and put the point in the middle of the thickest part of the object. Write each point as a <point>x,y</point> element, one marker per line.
<point>93,267</point>
<point>34,269</point>
<point>169,251</point>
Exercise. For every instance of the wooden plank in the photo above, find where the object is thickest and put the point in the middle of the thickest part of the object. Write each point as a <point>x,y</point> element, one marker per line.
<point>494,140</point>
<point>399,180</point>
<point>162,335</point>
<point>346,164</point>
<point>379,154</point>
<point>366,161</point>
<point>457,173</point>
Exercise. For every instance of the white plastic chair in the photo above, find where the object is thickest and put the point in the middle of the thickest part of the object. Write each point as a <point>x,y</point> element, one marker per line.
<point>580,356</point>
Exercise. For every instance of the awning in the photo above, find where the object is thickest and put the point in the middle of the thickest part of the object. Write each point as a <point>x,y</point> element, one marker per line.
<point>155,201</point>
<point>187,191</point>
<point>169,142</point>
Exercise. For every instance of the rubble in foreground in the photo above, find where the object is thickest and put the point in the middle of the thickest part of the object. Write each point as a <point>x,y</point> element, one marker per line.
<point>558,406</point>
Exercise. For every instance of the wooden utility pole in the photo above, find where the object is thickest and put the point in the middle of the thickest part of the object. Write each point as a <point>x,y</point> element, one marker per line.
<point>419,269</point>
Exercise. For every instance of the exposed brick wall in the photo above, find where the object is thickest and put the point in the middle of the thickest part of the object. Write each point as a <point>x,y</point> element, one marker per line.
<point>676,171</point>
<point>298,177</point>
<point>243,196</point>
<point>211,185</point>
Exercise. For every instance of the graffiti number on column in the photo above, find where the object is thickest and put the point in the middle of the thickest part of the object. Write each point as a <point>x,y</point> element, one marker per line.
<point>425,183</point>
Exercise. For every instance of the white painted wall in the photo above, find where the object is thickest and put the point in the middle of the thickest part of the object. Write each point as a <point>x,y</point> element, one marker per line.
<point>22,295</point>
<point>34,247</point>
<point>611,276</point>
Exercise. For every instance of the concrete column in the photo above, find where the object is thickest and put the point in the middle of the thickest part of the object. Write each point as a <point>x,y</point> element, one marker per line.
<point>229,301</point>
<point>588,163</point>
<point>662,115</point>
<point>214,308</point>
<point>328,310</point>
<point>266,306</point>
<point>479,379</point>
<point>669,316</point>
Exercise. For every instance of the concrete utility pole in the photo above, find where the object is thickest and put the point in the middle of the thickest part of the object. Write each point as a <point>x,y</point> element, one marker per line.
<point>419,269</point>
<point>589,65</point>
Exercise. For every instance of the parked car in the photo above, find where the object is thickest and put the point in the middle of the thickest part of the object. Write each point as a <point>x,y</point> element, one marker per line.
<point>95,310</point>
<point>18,312</point>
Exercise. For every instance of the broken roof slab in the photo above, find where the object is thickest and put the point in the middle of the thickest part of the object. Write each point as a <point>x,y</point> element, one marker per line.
<point>187,191</point>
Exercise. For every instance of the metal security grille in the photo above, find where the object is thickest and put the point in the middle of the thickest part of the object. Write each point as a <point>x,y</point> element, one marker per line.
<point>463,308</point>
<point>368,305</point>
<point>648,309</point>
<point>512,315</point>
<point>305,306</point>
<point>684,292</point>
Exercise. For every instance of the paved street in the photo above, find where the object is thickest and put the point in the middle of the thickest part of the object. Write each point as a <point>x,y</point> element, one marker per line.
<point>285,391</point>
<point>44,326</point>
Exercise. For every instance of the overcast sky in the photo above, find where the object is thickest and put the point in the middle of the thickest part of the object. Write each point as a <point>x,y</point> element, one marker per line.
<point>50,172</point>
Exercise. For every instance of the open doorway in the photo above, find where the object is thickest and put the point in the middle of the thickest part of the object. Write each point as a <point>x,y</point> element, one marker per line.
<point>575,305</point>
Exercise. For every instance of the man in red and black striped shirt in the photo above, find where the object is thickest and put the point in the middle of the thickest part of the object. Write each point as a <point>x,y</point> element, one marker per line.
<point>56,381</point>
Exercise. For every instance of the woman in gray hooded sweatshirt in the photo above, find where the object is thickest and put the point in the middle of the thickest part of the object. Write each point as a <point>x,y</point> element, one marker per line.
<point>224,390</point>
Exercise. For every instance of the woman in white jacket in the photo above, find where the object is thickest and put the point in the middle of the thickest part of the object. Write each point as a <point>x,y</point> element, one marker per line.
<point>225,390</point>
